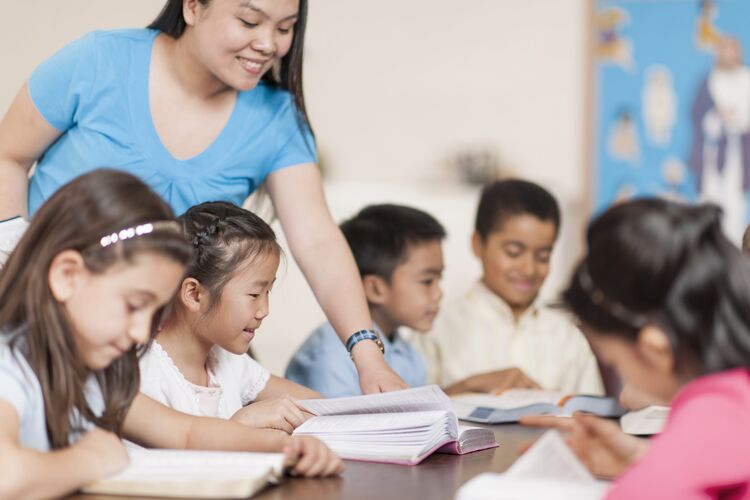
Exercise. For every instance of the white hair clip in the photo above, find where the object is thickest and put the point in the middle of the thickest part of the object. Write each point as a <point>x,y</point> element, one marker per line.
<point>139,230</point>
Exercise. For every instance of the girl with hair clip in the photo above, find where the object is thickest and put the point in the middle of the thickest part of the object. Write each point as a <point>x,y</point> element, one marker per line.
<point>198,362</point>
<point>205,104</point>
<point>664,297</point>
<point>79,299</point>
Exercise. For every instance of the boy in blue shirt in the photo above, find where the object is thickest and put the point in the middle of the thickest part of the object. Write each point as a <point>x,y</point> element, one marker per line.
<point>399,254</point>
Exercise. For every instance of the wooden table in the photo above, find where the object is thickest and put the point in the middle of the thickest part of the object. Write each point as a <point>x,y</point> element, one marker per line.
<point>437,478</point>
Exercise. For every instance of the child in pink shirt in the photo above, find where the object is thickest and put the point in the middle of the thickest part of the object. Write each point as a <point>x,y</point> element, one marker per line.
<point>664,297</point>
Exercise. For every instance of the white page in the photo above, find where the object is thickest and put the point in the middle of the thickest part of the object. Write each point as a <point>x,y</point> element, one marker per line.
<point>426,398</point>
<point>550,458</point>
<point>647,421</point>
<point>371,422</point>
<point>158,465</point>
<point>493,486</point>
<point>513,398</point>
<point>549,469</point>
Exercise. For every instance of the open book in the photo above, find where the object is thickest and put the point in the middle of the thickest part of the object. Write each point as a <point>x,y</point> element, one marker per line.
<point>400,427</point>
<point>192,474</point>
<point>549,469</point>
<point>645,422</point>
<point>513,404</point>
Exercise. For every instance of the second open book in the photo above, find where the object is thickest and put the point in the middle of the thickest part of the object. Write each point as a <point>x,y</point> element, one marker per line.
<point>513,404</point>
<point>400,427</point>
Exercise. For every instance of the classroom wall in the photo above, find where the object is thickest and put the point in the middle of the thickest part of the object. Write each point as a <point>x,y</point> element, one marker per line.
<point>394,89</point>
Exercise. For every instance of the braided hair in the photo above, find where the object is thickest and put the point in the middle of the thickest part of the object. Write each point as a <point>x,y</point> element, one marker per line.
<point>224,236</point>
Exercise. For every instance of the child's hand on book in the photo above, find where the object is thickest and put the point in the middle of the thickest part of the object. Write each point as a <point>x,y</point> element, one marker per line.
<point>500,381</point>
<point>280,413</point>
<point>597,442</point>
<point>310,457</point>
<point>102,452</point>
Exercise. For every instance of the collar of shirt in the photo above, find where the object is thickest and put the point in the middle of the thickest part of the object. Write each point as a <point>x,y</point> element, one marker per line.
<point>502,307</point>
<point>396,344</point>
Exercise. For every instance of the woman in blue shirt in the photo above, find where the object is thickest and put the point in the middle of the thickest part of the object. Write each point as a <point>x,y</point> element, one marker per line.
<point>206,104</point>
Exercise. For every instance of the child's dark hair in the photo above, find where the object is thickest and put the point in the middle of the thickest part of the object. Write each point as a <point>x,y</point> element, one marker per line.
<point>652,261</point>
<point>507,198</point>
<point>77,217</point>
<point>223,237</point>
<point>380,235</point>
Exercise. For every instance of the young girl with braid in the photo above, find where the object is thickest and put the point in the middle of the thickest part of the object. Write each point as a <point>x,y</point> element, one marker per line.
<point>79,298</point>
<point>198,362</point>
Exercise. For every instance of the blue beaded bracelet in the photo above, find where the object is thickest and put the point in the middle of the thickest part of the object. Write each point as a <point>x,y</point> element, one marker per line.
<point>357,337</point>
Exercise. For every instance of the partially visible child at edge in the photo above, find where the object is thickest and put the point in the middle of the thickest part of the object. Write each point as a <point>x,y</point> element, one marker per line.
<point>499,335</point>
<point>79,297</point>
<point>198,362</point>
<point>400,259</point>
<point>673,320</point>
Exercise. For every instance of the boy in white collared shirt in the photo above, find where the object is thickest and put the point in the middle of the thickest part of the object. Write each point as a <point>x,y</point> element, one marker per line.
<point>498,336</point>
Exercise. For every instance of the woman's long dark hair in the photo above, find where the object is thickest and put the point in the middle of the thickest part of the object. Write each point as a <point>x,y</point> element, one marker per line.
<point>652,261</point>
<point>76,217</point>
<point>171,21</point>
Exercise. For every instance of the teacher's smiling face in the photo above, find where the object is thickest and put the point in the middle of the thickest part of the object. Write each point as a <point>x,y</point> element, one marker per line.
<point>239,40</point>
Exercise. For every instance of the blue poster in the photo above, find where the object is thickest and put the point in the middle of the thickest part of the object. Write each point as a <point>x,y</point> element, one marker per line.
<point>673,103</point>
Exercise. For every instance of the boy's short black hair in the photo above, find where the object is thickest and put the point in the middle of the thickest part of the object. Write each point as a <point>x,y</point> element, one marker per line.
<point>379,236</point>
<point>502,199</point>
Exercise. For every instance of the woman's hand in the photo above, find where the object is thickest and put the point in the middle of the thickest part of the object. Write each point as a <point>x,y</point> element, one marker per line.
<point>598,443</point>
<point>374,373</point>
<point>101,451</point>
<point>280,413</point>
<point>329,267</point>
<point>310,457</point>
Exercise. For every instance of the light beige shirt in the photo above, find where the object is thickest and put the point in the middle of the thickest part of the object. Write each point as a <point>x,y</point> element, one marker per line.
<point>479,334</point>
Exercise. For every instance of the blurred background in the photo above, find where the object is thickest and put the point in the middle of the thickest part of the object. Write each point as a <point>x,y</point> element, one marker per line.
<point>418,102</point>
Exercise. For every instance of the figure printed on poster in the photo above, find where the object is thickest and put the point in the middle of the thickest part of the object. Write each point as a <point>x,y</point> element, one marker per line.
<point>720,149</point>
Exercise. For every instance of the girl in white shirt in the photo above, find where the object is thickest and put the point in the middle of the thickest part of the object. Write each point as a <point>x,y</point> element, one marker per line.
<point>78,298</point>
<point>198,363</point>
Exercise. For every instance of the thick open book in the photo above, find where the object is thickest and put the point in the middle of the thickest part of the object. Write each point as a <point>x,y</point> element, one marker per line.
<point>645,422</point>
<point>513,404</point>
<point>549,469</point>
<point>192,474</point>
<point>400,427</point>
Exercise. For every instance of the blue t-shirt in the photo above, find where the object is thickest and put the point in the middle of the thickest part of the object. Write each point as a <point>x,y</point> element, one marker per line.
<point>95,91</point>
<point>323,364</point>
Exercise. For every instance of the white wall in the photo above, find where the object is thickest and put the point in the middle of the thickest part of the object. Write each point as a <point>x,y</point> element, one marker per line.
<point>394,88</point>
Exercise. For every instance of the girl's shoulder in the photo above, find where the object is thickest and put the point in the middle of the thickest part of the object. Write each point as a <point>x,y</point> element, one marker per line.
<point>726,388</point>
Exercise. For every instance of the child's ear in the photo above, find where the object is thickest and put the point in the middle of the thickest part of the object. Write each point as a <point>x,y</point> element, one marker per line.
<point>191,294</point>
<point>477,245</point>
<point>66,273</point>
<point>376,289</point>
<point>654,347</point>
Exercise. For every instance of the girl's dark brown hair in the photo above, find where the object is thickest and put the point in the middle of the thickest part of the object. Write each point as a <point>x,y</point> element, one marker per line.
<point>289,77</point>
<point>76,217</point>
<point>224,236</point>
<point>652,261</point>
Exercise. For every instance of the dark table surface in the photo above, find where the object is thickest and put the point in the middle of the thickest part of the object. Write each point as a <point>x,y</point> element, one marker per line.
<point>436,478</point>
